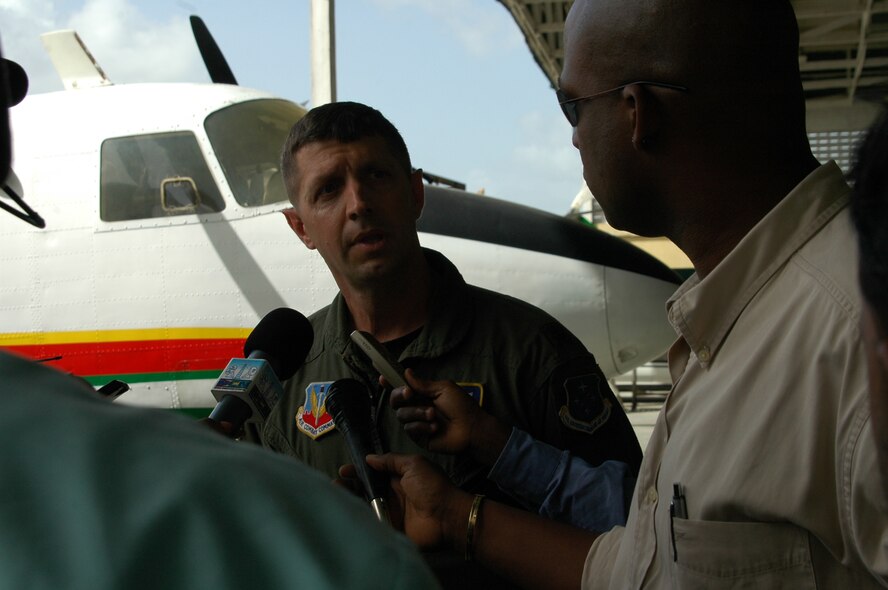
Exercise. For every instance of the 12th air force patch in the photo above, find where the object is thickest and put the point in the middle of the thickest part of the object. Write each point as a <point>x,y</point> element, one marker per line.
<point>587,407</point>
<point>313,418</point>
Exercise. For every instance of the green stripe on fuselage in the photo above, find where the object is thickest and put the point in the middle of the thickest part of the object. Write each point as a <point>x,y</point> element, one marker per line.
<point>99,380</point>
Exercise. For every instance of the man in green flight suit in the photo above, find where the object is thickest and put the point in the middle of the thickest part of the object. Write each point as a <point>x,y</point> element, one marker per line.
<point>356,200</point>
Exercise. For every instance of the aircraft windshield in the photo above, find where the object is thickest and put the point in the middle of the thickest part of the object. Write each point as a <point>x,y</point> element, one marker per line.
<point>247,138</point>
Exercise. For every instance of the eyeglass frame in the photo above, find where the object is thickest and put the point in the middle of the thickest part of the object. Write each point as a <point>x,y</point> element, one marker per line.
<point>569,105</point>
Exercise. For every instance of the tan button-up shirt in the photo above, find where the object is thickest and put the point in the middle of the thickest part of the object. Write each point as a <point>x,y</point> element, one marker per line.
<point>767,427</point>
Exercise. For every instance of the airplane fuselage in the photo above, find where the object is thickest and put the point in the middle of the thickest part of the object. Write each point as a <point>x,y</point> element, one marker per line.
<point>164,243</point>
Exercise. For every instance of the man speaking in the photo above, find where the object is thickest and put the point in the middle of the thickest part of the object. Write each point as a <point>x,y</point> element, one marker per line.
<point>356,200</point>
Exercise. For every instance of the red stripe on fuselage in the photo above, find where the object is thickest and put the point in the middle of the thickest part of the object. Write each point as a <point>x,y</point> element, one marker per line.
<point>142,356</point>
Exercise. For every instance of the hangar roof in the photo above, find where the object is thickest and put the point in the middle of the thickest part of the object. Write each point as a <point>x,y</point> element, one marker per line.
<point>843,53</point>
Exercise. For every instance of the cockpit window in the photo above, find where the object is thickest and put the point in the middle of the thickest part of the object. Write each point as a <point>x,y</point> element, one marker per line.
<point>156,175</point>
<point>247,138</point>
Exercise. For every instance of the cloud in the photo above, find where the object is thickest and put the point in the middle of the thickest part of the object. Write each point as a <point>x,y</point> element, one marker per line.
<point>482,28</point>
<point>544,144</point>
<point>129,46</point>
<point>542,170</point>
<point>132,48</point>
<point>21,23</point>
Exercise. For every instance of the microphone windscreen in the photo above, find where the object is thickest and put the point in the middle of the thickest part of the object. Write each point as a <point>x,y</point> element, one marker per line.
<point>284,336</point>
<point>348,403</point>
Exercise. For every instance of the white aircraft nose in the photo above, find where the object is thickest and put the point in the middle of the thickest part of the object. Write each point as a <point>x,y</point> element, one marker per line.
<point>636,318</point>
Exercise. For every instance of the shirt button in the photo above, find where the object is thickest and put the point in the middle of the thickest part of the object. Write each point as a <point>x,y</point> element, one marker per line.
<point>704,354</point>
<point>651,496</point>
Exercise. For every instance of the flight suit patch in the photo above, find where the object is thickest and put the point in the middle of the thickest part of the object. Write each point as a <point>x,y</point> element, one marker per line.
<point>586,408</point>
<point>313,418</point>
<point>475,391</point>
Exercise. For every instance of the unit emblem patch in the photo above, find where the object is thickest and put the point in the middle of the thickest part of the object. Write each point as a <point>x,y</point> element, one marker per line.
<point>313,418</point>
<point>587,407</point>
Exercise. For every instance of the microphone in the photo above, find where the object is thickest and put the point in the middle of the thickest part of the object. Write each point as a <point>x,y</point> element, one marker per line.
<point>349,404</point>
<point>248,388</point>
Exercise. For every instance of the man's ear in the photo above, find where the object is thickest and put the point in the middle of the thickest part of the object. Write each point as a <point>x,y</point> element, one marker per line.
<point>294,220</point>
<point>641,109</point>
<point>417,189</point>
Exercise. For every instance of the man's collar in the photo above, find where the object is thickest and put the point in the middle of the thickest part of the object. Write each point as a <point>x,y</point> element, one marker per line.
<point>449,313</point>
<point>703,311</point>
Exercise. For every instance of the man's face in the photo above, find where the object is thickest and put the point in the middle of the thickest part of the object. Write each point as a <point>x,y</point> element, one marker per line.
<point>603,136</point>
<point>358,207</point>
<point>621,174</point>
<point>877,366</point>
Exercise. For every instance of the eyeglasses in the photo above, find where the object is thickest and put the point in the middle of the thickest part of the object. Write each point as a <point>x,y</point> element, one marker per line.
<point>569,105</point>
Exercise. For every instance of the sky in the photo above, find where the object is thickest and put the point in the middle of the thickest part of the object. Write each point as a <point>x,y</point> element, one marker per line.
<point>455,76</point>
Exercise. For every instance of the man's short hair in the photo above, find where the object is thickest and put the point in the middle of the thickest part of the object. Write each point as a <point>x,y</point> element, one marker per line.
<point>343,122</point>
<point>869,209</point>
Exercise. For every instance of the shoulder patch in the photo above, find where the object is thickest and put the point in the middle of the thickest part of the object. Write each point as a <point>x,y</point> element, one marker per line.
<point>312,418</point>
<point>475,391</point>
<point>586,408</point>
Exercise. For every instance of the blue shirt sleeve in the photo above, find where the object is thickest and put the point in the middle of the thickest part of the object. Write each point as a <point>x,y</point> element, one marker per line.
<point>562,487</point>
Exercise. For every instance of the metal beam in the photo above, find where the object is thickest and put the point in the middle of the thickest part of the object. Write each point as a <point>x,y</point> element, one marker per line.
<point>842,50</point>
<point>861,48</point>
<point>323,52</point>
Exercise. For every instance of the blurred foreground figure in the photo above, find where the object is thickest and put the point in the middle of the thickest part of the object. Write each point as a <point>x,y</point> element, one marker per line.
<point>869,206</point>
<point>97,495</point>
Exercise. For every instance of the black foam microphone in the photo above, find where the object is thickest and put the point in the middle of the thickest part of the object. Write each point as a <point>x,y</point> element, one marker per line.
<point>249,387</point>
<point>348,402</point>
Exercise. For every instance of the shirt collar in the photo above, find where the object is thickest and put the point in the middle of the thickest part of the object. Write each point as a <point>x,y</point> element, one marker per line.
<point>450,310</point>
<point>449,313</point>
<point>703,311</point>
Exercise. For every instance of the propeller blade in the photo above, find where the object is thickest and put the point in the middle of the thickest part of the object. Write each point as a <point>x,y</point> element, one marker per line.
<point>212,56</point>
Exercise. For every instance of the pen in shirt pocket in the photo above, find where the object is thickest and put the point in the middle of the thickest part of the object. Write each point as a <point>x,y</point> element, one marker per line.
<point>678,508</point>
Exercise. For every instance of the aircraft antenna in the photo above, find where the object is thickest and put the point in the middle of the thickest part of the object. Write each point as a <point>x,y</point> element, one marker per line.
<point>73,62</point>
<point>26,213</point>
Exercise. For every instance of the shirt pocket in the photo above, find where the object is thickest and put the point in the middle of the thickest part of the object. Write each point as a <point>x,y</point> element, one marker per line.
<point>716,555</point>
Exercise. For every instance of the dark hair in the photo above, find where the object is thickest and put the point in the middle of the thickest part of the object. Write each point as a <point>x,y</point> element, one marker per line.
<point>869,210</point>
<point>343,122</point>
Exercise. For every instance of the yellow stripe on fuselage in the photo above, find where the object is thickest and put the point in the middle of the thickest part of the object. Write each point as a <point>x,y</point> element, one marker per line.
<point>32,338</point>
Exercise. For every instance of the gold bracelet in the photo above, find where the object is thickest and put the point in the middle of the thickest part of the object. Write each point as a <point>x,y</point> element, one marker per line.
<point>473,523</point>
